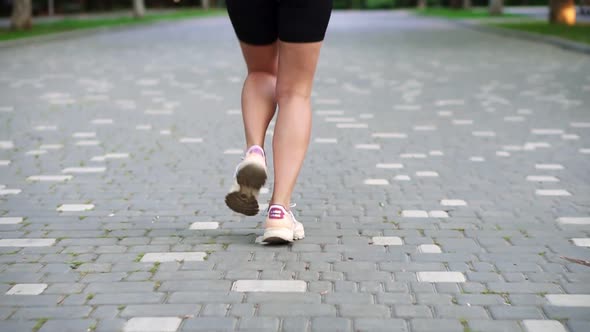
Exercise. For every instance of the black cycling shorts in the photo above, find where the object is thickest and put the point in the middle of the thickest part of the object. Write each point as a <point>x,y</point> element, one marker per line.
<point>261,22</point>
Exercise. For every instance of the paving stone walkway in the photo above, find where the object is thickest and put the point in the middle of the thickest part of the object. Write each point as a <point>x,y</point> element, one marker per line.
<point>447,186</point>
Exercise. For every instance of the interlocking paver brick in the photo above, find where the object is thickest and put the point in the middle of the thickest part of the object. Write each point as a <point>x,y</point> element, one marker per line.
<point>67,325</point>
<point>494,325</point>
<point>296,309</point>
<point>331,324</point>
<point>543,326</point>
<point>146,324</point>
<point>364,310</point>
<point>259,324</point>
<point>269,286</point>
<point>209,324</point>
<point>156,310</point>
<point>432,325</point>
<point>65,312</point>
<point>569,300</point>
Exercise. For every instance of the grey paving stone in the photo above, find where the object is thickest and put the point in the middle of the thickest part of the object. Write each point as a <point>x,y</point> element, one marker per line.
<point>32,301</point>
<point>494,325</point>
<point>127,298</point>
<point>209,324</point>
<point>543,325</point>
<point>205,297</point>
<point>269,286</point>
<point>6,312</point>
<point>69,325</point>
<point>523,287</point>
<point>284,297</point>
<point>367,310</point>
<point>52,312</point>
<point>105,312</point>
<point>64,288</point>
<point>259,324</point>
<point>296,309</point>
<point>330,324</point>
<point>455,311</point>
<point>431,325</point>
<point>569,300</point>
<point>352,298</point>
<point>412,311</point>
<point>558,313</point>
<point>103,278</point>
<point>167,324</point>
<point>12,325</point>
<point>371,324</point>
<point>118,287</point>
<point>515,312</point>
<point>195,285</point>
<point>394,298</point>
<point>215,310</point>
<point>429,299</point>
<point>578,325</point>
<point>157,310</point>
<point>527,299</point>
<point>295,323</point>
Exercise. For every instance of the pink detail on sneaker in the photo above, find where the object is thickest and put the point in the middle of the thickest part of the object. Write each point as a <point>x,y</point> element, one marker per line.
<point>276,213</point>
<point>256,149</point>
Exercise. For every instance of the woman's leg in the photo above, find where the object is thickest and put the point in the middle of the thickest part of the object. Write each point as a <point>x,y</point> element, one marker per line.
<point>258,94</point>
<point>297,65</point>
<point>258,108</point>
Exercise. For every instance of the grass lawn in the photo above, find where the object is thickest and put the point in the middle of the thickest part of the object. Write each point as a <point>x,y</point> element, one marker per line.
<point>579,32</point>
<point>76,24</point>
<point>461,14</point>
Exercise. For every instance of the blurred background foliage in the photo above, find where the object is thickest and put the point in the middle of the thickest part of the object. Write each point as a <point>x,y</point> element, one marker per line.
<point>82,6</point>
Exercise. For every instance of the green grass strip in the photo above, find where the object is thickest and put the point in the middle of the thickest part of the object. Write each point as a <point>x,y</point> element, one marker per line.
<point>578,33</point>
<point>89,23</point>
<point>461,14</point>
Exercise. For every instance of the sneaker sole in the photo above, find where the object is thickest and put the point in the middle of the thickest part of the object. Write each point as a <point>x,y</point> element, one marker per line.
<point>278,236</point>
<point>242,203</point>
<point>250,178</point>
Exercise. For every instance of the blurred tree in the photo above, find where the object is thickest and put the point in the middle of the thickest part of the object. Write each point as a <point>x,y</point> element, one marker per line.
<point>138,8</point>
<point>421,4</point>
<point>496,7</point>
<point>22,11</point>
<point>562,12</point>
<point>205,4</point>
<point>460,4</point>
<point>50,7</point>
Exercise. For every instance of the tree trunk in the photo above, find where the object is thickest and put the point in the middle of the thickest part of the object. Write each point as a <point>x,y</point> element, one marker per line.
<point>205,4</point>
<point>50,8</point>
<point>496,7</point>
<point>138,8</point>
<point>421,4</point>
<point>22,11</point>
<point>456,4</point>
<point>466,4</point>
<point>562,12</point>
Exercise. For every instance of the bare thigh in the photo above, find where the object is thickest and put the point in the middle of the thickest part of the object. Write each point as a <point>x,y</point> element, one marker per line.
<point>261,58</point>
<point>297,66</point>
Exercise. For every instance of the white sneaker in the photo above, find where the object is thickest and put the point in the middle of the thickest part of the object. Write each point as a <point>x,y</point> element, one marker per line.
<point>250,176</point>
<point>281,226</point>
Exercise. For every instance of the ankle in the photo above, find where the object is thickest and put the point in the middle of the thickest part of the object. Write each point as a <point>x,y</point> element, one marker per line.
<point>284,205</point>
<point>256,149</point>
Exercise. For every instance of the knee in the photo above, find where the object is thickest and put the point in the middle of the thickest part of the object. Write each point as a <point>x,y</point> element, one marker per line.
<point>262,82</point>
<point>287,96</point>
<point>262,76</point>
